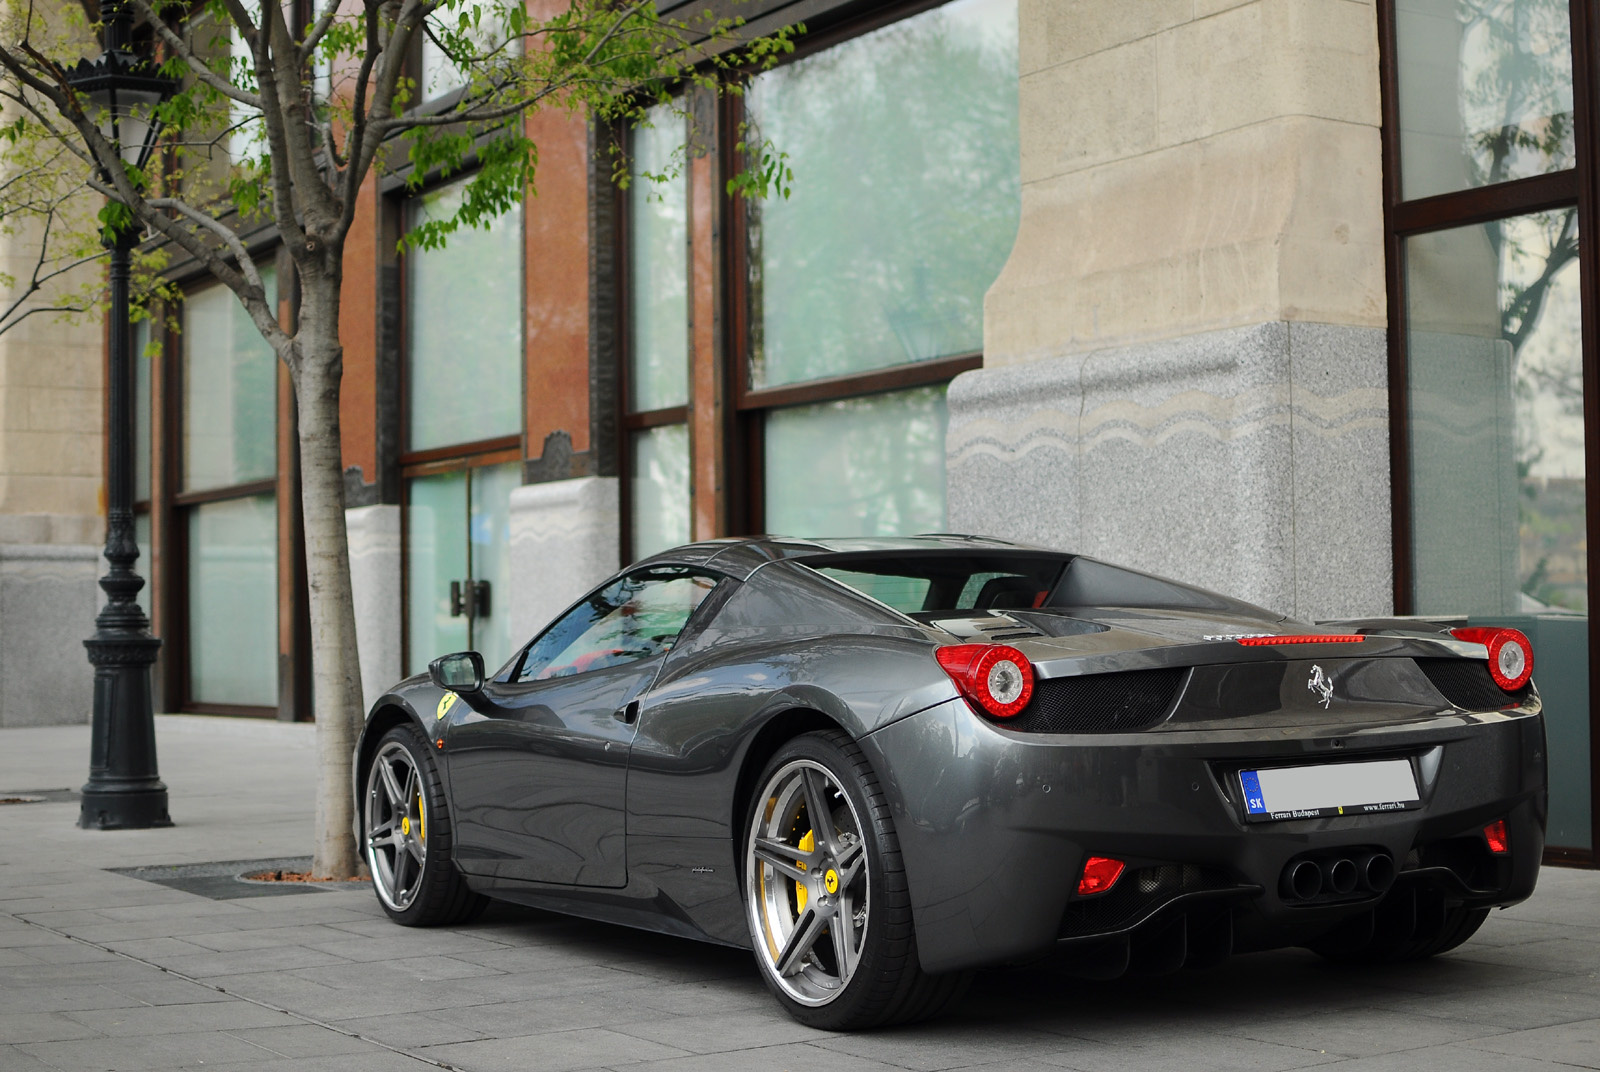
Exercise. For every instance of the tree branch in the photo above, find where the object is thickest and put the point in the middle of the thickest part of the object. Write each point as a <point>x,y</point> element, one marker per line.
<point>198,67</point>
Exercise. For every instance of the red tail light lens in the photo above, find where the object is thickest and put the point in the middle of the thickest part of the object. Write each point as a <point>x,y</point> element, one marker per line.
<point>996,677</point>
<point>1510,654</point>
<point>1495,835</point>
<point>1301,638</point>
<point>1100,873</point>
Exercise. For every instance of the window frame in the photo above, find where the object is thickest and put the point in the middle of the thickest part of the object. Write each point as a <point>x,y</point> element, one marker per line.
<point>1578,188</point>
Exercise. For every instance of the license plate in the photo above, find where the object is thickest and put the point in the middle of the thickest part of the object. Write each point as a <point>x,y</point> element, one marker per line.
<point>1329,789</point>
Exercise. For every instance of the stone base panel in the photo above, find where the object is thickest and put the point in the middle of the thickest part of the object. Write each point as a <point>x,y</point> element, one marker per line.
<point>49,596</point>
<point>564,541</point>
<point>1253,461</point>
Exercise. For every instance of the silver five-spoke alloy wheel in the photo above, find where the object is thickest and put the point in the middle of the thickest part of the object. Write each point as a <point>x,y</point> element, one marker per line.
<point>809,883</point>
<point>396,825</point>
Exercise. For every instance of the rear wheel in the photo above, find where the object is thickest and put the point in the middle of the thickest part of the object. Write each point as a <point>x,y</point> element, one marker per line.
<point>826,895</point>
<point>406,836</point>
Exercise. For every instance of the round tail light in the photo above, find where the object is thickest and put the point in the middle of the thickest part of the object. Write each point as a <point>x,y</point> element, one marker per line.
<point>1510,654</point>
<point>997,677</point>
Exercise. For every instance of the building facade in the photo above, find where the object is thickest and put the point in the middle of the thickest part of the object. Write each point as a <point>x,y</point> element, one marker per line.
<point>1288,298</point>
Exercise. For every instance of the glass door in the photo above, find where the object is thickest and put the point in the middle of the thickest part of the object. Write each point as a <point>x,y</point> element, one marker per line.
<point>458,576</point>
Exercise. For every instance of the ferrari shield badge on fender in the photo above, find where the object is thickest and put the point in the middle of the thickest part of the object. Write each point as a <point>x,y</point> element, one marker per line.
<point>1320,684</point>
<point>445,703</point>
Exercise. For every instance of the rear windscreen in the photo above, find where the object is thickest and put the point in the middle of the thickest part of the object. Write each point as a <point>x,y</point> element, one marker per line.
<point>940,581</point>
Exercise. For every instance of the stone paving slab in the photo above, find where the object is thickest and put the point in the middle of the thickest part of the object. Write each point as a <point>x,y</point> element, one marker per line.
<point>100,970</point>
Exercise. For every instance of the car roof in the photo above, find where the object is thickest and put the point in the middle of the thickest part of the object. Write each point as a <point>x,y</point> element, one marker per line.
<point>742,555</point>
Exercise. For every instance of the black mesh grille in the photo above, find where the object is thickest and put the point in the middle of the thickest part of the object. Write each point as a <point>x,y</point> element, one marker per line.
<point>1101,703</point>
<point>1467,684</point>
<point>1136,895</point>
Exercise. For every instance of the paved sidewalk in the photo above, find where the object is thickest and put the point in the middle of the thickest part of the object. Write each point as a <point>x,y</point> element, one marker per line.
<point>100,970</point>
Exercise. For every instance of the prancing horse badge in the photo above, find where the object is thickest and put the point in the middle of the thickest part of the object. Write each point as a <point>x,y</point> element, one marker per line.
<point>1322,685</point>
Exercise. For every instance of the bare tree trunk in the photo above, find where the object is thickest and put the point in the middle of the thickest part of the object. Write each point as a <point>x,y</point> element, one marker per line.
<point>335,668</point>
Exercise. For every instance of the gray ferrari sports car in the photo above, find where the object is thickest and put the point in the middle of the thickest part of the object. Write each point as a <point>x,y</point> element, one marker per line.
<point>880,763</point>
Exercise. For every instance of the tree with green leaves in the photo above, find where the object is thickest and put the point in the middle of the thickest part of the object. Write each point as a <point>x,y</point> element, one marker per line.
<point>286,122</point>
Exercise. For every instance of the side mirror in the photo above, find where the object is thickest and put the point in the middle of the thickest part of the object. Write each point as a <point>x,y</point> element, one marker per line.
<point>460,672</point>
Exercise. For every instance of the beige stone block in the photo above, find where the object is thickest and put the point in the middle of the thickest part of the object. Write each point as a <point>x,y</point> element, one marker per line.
<point>1095,109</point>
<point>1279,221</point>
<point>1058,31</point>
<point>1265,60</point>
<point>56,409</point>
<point>50,454</point>
<point>49,495</point>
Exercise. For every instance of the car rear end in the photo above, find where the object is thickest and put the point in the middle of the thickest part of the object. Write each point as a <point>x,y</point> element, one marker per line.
<point>1164,797</point>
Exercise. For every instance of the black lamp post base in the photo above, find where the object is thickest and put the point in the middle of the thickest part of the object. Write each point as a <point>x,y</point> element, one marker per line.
<point>131,809</point>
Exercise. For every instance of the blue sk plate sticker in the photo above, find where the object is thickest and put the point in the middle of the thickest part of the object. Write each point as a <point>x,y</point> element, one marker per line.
<point>1277,793</point>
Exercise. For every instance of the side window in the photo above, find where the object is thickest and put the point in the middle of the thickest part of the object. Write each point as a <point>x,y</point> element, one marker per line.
<point>634,618</point>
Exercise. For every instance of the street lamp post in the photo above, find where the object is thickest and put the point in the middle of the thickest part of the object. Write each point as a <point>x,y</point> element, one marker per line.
<point>124,790</point>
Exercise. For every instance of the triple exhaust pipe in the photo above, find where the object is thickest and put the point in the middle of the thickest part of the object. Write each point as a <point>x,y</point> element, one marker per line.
<point>1336,876</point>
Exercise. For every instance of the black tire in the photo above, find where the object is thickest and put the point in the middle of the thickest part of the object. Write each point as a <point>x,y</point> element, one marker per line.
<point>406,839</point>
<point>795,908</point>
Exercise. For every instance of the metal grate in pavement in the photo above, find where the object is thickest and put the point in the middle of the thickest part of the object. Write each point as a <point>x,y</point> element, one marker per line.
<point>224,880</point>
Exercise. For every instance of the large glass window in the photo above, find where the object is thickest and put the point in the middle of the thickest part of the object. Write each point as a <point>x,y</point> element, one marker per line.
<point>656,383</point>
<point>230,391</point>
<point>226,507</point>
<point>905,196</point>
<point>1492,482</point>
<point>463,328</point>
<point>1485,92</point>
<point>867,466</point>
<point>233,602</point>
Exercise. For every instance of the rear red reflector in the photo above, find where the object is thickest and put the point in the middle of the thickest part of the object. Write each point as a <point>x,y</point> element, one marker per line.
<point>1304,638</point>
<point>1495,835</point>
<point>1100,873</point>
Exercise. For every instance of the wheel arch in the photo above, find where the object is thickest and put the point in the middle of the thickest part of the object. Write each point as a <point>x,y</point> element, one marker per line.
<point>773,735</point>
<point>385,717</point>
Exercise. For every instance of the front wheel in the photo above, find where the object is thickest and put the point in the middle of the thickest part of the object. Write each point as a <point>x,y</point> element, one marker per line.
<point>406,836</point>
<point>826,895</point>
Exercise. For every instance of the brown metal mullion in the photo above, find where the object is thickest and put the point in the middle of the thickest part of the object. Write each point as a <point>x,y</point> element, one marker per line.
<point>462,450</point>
<point>742,441</point>
<point>622,281</point>
<point>1479,204</point>
<point>875,381</point>
<point>232,491</point>
<point>1586,107</point>
<point>1394,286</point>
<point>655,418</point>
<point>461,463</point>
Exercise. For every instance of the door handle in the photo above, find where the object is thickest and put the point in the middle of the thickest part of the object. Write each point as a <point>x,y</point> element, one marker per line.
<point>628,713</point>
<point>480,598</point>
<point>458,606</point>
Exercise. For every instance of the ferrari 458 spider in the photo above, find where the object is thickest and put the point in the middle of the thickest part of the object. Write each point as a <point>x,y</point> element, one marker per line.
<point>880,763</point>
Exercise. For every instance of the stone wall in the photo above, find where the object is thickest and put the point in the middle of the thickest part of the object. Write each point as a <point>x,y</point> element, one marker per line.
<point>1185,354</point>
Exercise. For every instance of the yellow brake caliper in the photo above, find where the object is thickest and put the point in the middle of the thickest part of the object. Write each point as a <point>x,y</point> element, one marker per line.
<point>807,844</point>
<point>422,821</point>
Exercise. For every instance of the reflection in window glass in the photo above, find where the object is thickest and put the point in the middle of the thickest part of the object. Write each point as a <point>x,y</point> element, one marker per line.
<point>463,328</point>
<point>1495,380</point>
<point>489,533</point>
<point>658,263</point>
<point>1485,91</point>
<point>233,602</point>
<point>906,194</point>
<point>145,562</point>
<point>436,554</point>
<point>635,618</point>
<point>141,411</point>
<point>440,74</point>
<point>659,485</point>
<point>871,466</point>
<point>230,391</point>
